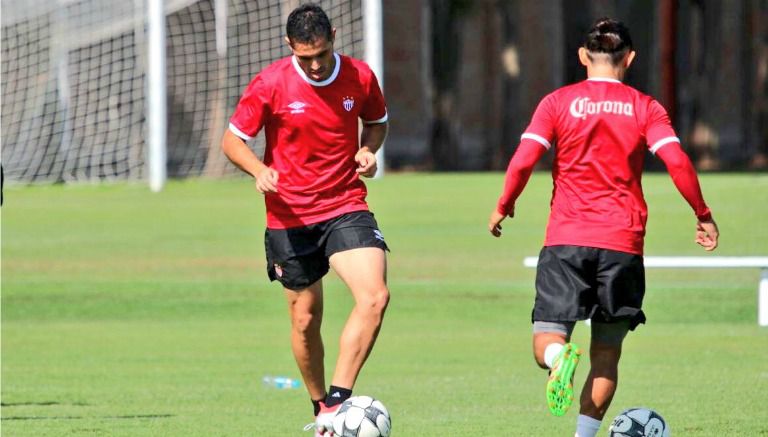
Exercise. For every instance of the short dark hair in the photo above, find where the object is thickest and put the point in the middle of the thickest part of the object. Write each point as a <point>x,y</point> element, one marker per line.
<point>307,24</point>
<point>610,37</point>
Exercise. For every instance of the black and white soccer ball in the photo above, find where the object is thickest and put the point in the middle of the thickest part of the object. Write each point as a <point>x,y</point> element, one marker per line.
<point>638,422</point>
<point>362,416</point>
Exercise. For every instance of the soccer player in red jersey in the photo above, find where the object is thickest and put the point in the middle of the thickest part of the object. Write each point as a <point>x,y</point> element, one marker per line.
<point>309,105</point>
<point>591,265</point>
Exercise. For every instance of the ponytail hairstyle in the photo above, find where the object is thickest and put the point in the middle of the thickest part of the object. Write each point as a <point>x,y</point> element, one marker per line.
<point>609,37</point>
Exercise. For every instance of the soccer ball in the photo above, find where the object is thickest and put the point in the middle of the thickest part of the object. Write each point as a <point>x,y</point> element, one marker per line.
<point>362,416</point>
<point>638,422</point>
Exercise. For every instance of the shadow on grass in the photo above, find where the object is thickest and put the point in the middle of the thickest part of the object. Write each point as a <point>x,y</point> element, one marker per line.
<point>135,416</point>
<point>39,404</point>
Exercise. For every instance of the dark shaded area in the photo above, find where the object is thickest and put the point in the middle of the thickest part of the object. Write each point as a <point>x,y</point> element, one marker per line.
<point>706,61</point>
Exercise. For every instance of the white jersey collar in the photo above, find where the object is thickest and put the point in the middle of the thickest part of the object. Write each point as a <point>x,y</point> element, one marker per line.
<point>328,81</point>
<point>604,79</point>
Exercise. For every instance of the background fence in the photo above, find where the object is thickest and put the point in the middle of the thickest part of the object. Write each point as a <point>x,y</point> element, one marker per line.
<point>75,76</point>
<point>462,78</point>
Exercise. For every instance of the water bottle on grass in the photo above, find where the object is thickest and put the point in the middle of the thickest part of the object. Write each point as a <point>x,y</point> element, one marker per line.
<point>282,382</point>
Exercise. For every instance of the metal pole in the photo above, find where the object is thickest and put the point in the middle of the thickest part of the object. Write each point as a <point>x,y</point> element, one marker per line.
<point>156,108</point>
<point>374,55</point>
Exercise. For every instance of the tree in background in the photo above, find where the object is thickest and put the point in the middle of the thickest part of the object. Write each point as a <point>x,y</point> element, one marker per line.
<point>447,25</point>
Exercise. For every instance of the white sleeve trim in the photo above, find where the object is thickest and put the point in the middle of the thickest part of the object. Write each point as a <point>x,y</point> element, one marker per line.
<point>239,133</point>
<point>538,138</point>
<point>659,144</point>
<point>381,120</point>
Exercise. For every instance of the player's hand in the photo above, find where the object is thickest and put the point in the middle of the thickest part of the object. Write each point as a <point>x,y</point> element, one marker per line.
<point>707,234</point>
<point>366,162</point>
<point>266,180</point>
<point>494,223</point>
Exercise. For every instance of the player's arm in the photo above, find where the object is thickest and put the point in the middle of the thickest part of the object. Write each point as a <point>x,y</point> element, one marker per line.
<point>245,123</point>
<point>374,116</point>
<point>536,140</point>
<point>243,157</point>
<point>663,143</point>
<point>685,179</point>
<point>371,139</point>
<point>518,172</point>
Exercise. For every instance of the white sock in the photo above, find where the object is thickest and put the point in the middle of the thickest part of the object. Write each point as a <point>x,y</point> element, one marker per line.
<point>587,426</point>
<point>551,352</point>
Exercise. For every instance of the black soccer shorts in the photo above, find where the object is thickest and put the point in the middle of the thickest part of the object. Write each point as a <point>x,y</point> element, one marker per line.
<point>577,283</point>
<point>297,257</point>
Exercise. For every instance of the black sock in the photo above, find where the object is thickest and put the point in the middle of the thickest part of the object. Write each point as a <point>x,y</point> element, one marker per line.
<point>337,395</point>
<point>316,405</point>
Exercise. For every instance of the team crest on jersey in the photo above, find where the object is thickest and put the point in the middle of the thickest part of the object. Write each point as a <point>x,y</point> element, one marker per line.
<point>297,107</point>
<point>278,270</point>
<point>349,103</point>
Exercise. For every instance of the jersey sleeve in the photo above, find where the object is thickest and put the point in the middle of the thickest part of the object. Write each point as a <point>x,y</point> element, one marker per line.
<point>542,126</point>
<point>534,142</point>
<point>518,172</point>
<point>658,129</point>
<point>685,179</point>
<point>251,111</point>
<point>375,109</point>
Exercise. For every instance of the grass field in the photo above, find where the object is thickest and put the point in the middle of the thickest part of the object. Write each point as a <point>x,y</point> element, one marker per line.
<point>127,313</point>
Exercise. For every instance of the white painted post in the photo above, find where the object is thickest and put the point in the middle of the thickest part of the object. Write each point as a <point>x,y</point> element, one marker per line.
<point>156,108</point>
<point>220,12</point>
<point>373,37</point>
<point>762,299</point>
<point>760,262</point>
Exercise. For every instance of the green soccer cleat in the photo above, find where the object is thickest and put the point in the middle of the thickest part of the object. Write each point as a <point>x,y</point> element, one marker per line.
<point>560,383</point>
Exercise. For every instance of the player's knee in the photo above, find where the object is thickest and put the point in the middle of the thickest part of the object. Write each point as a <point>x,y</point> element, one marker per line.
<point>305,322</point>
<point>375,301</point>
<point>380,299</point>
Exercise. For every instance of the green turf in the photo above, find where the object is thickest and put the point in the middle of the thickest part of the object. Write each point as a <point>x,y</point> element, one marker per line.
<point>129,313</point>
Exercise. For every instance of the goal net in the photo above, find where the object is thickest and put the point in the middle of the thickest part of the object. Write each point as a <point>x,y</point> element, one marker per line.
<point>74,81</point>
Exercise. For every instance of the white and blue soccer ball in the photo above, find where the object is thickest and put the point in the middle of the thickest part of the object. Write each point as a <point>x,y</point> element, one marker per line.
<point>362,416</point>
<point>638,422</point>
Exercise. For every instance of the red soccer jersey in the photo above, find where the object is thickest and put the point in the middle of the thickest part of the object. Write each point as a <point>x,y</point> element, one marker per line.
<point>312,135</point>
<point>601,129</point>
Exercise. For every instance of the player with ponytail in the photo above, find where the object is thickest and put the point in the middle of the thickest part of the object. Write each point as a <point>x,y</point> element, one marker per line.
<point>591,266</point>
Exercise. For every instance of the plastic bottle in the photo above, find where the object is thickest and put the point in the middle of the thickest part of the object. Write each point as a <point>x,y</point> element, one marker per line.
<point>282,382</point>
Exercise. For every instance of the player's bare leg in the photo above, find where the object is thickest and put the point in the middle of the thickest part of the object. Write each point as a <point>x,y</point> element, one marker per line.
<point>364,271</point>
<point>540,342</point>
<point>600,385</point>
<point>306,311</point>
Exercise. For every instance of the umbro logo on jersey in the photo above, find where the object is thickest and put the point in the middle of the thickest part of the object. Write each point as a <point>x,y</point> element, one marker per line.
<point>297,107</point>
<point>349,103</point>
<point>581,107</point>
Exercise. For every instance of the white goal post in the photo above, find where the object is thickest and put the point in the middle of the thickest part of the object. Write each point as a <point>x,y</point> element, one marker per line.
<point>140,90</point>
<point>710,262</point>
<point>373,37</point>
<point>157,107</point>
